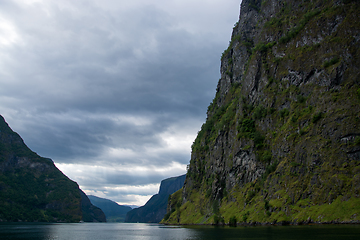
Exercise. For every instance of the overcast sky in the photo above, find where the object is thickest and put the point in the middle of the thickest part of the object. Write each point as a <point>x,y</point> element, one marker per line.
<point>114,91</point>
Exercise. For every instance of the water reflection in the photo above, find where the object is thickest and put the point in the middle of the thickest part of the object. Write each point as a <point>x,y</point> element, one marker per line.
<point>25,231</point>
<point>129,231</point>
<point>315,232</point>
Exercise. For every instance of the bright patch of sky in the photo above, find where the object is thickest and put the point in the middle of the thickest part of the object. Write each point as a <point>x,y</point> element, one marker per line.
<point>114,92</point>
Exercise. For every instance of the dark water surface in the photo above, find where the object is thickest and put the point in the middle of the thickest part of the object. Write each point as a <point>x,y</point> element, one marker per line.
<point>92,231</point>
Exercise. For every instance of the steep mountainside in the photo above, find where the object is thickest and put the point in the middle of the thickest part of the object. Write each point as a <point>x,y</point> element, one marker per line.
<point>33,189</point>
<point>113,211</point>
<point>90,212</point>
<point>155,209</point>
<point>281,142</point>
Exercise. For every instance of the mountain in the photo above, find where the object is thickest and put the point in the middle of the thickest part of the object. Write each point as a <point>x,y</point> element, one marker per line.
<point>32,189</point>
<point>91,213</point>
<point>113,211</point>
<point>155,209</point>
<point>281,142</point>
<point>132,206</point>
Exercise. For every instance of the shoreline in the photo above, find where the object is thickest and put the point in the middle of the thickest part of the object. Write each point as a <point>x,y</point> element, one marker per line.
<point>284,223</point>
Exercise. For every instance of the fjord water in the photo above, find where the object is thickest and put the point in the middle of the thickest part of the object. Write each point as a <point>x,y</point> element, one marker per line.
<point>139,231</point>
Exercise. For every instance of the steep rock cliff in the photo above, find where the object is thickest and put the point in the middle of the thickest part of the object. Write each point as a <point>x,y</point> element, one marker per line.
<point>155,209</point>
<point>32,189</point>
<point>281,142</point>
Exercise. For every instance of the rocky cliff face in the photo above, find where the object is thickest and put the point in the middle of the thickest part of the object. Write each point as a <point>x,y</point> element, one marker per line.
<point>32,189</point>
<point>281,142</point>
<point>155,209</point>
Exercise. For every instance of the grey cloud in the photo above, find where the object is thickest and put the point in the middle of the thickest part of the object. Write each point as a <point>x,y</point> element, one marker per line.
<point>76,69</point>
<point>108,178</point>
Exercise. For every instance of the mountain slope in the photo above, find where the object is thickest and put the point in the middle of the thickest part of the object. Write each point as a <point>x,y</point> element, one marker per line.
<point>113,211</point>
<point>91,213</point>
<point>32,188</point>
<point>155,209</point>
<point>281,142</point>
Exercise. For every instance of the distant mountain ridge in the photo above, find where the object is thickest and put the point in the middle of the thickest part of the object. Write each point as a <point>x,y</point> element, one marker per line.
<point>113,211</point>
<point>32,189</point>
<point>91,213</point>
<point>155,209</point>
<point>132,206</point>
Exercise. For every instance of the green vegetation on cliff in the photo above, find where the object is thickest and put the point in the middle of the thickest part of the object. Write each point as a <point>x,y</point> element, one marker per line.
<point>281,142</point>
<point>32,189</point>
